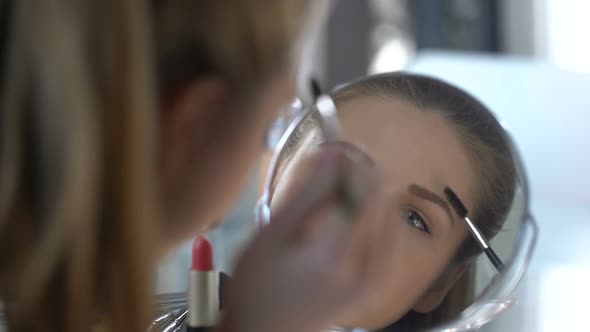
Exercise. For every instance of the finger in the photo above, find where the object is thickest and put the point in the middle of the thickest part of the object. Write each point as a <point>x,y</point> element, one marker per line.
<point>333,174</point>
<point>357,247</point>
<point>348,249</point>
<point>363,244</point>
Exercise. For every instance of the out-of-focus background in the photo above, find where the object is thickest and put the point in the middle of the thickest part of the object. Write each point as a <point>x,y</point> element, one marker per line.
<point>529,60</point>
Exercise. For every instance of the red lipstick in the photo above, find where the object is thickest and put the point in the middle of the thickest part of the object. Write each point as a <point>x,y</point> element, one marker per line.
<point>203,293</point>
<point>202,255</point>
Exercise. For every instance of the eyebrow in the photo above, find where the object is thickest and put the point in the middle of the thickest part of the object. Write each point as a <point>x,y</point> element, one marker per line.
<point>428,195</point>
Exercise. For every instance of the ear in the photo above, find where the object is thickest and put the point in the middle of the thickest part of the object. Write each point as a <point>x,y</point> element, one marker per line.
<point>193,104</point>
<point>436,294</point>
<point>187,120</point>
<point>190,121</point>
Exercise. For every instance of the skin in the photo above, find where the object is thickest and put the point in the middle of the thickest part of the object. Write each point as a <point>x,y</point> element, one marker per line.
<point>416,154</point>
<point>207,149</point>
<point>206,154</point>
<point>208,142</point>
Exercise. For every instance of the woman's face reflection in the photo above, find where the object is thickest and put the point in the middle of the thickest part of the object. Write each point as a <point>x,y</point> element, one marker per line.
<point>417,154</point>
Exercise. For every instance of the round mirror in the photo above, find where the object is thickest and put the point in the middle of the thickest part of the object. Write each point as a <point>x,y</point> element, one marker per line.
<point>425,135</point>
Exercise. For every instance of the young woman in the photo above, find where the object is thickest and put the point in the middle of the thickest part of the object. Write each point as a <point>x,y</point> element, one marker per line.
<point>422,135</point>
<point>129,126</point>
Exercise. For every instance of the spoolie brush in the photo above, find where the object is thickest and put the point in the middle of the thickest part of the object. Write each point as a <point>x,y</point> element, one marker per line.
<point>460,209</point>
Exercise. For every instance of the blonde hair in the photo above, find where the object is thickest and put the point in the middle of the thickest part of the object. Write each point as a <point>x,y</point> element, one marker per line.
<point>78,192</point>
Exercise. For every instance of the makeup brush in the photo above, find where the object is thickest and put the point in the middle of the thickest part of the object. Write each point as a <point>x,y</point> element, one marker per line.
<point>329,123</point>
<point>460,209</point>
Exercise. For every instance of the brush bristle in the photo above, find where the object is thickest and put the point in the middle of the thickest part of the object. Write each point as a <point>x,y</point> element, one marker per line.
<point>455,202</point>
<point>315,89</point>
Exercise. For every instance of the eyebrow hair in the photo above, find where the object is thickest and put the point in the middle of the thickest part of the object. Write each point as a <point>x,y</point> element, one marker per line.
<point>428,195</point>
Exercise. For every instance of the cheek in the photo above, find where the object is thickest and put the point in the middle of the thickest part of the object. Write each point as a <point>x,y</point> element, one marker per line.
<point>205,180</point>
<point>249,135</point>
<point>417,258</point>
<point>415,263</point>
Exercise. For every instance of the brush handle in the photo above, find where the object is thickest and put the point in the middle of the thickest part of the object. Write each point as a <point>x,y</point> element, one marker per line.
<point>198,329</point>
<point>494,259</point>
<point>224,282</point>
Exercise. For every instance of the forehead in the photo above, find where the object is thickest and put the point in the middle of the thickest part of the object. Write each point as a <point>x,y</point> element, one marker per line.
<point>410,145</point>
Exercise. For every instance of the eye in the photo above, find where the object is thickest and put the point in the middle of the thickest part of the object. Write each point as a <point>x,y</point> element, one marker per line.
<point>416,221</point>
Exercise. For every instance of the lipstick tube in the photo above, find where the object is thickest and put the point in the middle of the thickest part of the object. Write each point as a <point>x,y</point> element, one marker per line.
<point>203,294</point>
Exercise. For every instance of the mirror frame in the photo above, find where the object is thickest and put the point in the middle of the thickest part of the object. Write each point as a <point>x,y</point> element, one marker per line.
<point>497,297</point>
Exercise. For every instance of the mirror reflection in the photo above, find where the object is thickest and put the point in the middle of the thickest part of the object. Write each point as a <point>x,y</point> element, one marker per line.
<point>423,135</point>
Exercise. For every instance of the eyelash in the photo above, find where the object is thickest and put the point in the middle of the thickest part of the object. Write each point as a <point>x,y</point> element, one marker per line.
<point>411,216</point>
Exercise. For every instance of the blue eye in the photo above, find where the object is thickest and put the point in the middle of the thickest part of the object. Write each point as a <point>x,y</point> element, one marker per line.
<point>416,221</point>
